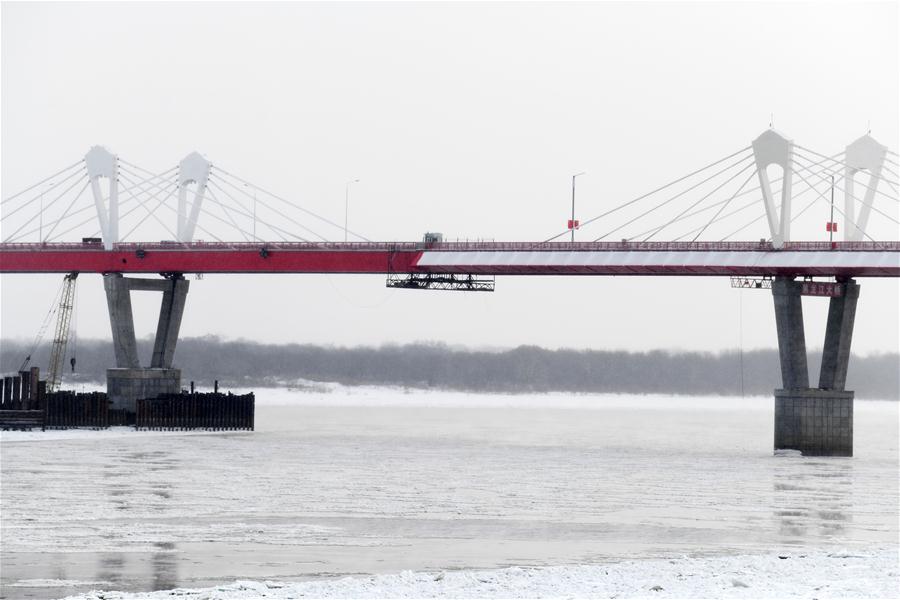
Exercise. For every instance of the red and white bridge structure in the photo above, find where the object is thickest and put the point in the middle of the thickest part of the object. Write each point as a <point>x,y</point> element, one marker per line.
<point>760,259</point>
<point>774,214</point>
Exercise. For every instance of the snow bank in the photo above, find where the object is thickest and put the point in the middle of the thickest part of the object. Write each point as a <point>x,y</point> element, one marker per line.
<point>815,574</point>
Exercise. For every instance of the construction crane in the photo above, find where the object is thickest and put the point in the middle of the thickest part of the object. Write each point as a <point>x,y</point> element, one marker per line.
<point>61,339</point>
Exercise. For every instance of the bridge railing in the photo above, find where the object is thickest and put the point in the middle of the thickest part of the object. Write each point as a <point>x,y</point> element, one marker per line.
<point>756,246</point>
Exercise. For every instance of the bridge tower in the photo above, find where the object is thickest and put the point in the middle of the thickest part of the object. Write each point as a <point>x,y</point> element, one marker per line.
<point>101,163</point>
<point>818,421</point>
<point>864,154</point>
<point>193,169</point>
<point>773,148</point>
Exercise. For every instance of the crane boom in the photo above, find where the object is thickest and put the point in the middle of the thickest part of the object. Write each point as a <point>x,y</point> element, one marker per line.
<point>61,339</point>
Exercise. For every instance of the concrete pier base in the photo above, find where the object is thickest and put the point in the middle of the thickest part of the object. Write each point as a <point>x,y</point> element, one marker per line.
<point>125,386</point>
<point>815,422</point>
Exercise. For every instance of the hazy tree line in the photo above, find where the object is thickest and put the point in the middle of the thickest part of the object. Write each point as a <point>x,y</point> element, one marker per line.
<point>522,369</point>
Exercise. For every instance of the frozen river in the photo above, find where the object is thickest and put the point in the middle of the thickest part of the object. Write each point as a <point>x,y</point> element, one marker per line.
<point>377,481</point>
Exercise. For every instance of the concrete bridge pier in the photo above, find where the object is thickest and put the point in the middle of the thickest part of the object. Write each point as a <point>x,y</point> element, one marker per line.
<point>129,381</point>
<point>815,421</point>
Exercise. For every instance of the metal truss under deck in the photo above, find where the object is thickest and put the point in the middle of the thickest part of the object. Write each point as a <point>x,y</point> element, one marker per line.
<point>808,287</point>
<point>754,283</point>
<point>439,281</point>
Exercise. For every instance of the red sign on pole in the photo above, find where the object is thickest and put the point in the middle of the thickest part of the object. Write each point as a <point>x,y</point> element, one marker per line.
<point>574,224</point>
<point>831,226</point>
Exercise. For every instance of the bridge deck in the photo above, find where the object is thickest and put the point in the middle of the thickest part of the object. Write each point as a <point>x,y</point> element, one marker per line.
<point>860,259</point>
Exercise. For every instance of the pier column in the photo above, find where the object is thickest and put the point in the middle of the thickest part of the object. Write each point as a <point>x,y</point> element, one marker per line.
<point>815,421</point>
<point>121,319</point>
<point>170,313</point>
<point>791,337</point>
<point>838,334</point>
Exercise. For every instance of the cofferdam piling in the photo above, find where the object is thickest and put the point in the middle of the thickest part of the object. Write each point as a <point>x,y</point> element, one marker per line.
<point>25,404</point>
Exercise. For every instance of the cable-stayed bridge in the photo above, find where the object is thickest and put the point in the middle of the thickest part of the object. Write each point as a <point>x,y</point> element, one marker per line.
<point>766,214</point>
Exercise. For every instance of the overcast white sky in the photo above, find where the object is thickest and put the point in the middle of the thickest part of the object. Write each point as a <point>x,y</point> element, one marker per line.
<point>465,118</point>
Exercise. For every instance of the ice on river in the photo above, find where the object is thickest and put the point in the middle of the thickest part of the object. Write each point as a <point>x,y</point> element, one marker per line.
<point>412,493</point>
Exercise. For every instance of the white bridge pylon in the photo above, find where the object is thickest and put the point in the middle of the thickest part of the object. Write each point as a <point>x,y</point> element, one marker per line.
<point>773,148</point>
<point>100,162</point>
<point>865,154</point>
<point>193,169</point>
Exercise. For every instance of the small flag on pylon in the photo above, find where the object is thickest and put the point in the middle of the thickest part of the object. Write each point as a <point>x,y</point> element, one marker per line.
<point>831,226</point>
<point>573,224</point>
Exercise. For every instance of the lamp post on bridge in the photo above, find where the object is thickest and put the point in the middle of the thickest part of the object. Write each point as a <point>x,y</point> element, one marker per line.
<point>573,223</point>
<point>347,203</point>
<point>831,226</point>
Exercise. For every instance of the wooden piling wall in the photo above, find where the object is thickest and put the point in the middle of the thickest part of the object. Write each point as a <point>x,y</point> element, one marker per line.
<point>21,391</point>
<point>70,409</point>
<point>217,412</point>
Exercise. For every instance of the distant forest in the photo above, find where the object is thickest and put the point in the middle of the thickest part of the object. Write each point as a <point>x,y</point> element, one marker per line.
<point>437,366</point>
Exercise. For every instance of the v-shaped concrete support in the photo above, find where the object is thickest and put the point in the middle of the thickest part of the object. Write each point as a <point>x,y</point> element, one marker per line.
<point>121,318</point>
<point>792,342</point>
<point>815,421</point>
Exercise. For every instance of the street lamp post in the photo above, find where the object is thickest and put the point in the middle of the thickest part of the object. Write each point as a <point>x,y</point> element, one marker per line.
<point>573,203</point>
<point>347,204</point>
<point>831,218</point>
